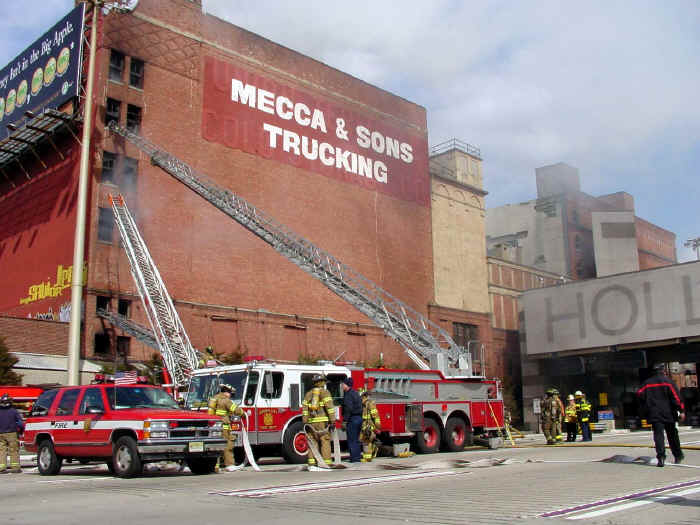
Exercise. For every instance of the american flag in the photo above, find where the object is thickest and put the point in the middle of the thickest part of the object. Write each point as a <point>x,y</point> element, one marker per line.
<point>126,378</point>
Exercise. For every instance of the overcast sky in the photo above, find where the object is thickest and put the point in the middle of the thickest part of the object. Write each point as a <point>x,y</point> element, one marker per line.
<point>609,87</point>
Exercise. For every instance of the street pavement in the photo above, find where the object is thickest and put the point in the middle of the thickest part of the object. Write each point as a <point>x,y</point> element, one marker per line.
<point>530,483</point>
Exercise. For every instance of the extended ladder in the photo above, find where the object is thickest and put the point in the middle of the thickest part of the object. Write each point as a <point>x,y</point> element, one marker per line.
<point>174,345</point>
<point>422,339</point>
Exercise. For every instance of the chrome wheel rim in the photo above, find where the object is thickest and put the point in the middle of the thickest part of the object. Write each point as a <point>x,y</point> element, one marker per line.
<point>45,458</point>
<point>123,459</point>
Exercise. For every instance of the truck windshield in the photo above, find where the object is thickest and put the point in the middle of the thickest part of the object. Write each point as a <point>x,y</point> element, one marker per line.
<point>139,397</point>
<point>203,388</point>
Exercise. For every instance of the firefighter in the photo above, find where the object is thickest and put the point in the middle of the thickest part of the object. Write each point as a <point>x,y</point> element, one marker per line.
<point>11,425</point>
<point>550,414</point>
<point>318,416</point>
<point>371,426</point>
<point>571,419</point>
<point>559,423</point>
<point>583,413</point>
<point>222,406</point>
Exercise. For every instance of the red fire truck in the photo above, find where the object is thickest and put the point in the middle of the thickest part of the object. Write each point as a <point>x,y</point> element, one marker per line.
<point>430,410</point>
<point>443,403</point>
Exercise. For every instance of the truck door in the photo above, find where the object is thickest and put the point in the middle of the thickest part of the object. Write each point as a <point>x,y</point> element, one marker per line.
<point>272,407</point>
<point>64,423</point>
<point>95,431</point>
<point>248,404</point>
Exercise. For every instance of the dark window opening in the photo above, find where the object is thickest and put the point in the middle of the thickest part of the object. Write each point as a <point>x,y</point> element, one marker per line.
<point>116,66</point>
<point>123,345</point>
<point>112,111</point>
<point>42,405</point>
<point>463,333</point>
<point>136,73</point>
<point>92,399</point>
<point>109,163</point>
<point>105,226</point>
<point>124,307</point>
<point>272,385</point>
<point>66,406</point>
<point>130,171</point>
<point>102,344</point>
<point>133,118</point>
<point>102,302</point>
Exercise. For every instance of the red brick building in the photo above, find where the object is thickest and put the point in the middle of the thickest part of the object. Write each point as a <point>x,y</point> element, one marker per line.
<point>338,161</point>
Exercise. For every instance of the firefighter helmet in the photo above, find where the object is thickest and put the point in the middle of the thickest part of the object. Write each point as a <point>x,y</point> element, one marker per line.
<point>223,387</point>
<point>549,391</point>
<point>555,391</point>
<point>578,393</point>
<point>5,401</point>
<point>571,396</point>
<point>364,392</point>
<point>318,378</point>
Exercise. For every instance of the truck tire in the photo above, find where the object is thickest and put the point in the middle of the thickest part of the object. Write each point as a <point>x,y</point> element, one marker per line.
<point>48,463</point>
<point>428,441</point>
<point>200,466</point>
<point>125,458</point>
<point>294,446</point>
<point>457,434</point>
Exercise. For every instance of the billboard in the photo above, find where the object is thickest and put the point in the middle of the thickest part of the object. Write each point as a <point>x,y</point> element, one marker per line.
<point>46,74</point>
<point>652,305</point>
<point>247,111</point>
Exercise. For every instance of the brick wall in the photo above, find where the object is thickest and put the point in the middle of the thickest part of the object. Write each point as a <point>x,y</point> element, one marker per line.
<point>34,335</point>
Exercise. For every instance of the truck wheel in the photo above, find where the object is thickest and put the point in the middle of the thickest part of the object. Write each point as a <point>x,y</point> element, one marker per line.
<point>428,440</point>
<point>294,446</point>
<point>125,458</point>
<point>201,465</point>
<point>47,461</point>
<point>457,434</point>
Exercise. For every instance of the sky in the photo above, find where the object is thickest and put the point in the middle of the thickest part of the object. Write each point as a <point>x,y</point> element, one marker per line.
<point>609,87</point>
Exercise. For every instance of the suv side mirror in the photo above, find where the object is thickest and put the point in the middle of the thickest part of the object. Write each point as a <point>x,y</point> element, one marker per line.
<point>94,410</point>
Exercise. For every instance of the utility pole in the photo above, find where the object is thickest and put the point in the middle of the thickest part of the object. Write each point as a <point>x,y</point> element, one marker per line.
<point>79,239</point>
<point>695,245</point>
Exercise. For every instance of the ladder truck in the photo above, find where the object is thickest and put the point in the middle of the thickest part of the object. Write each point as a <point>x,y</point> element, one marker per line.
<point>443,403</point>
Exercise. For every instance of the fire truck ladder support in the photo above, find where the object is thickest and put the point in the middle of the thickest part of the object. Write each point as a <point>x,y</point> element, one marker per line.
<point>174,345</point>
<point>422,339</point>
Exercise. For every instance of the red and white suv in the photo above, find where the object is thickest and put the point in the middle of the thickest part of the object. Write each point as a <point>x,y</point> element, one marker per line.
<point>124,425</point>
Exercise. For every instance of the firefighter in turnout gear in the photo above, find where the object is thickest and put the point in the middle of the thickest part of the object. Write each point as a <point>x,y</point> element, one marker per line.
<point>550,414</point>
<point>222,406</point>
<point>371,426</point>
<point>11,425</point>
<point>559,423</point>
<point>583,412</point>
<point>571,419</point>
<point>318,416</point>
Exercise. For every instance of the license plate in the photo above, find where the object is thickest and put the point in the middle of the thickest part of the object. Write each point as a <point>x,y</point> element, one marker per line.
<point>196,446</point>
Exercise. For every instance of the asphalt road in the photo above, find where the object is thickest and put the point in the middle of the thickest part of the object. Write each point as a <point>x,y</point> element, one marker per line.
<point>527,484</point>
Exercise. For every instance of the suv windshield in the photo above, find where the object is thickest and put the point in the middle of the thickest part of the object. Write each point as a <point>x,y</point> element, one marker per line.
<point>202,388</point>
<point>139,397</point>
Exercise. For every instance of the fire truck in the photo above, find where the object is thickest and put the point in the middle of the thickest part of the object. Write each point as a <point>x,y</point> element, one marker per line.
<point>444,402</point>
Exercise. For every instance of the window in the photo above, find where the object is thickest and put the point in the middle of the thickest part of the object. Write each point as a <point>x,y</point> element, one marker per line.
<point>332,385</point>
<point>112,111</point>
<point>116,66</point>
<point>252,387</point>
<point>123,345</point>
<point>578,244</point>
<point>102,302</point>
<point>130,171</point>
<point>136,73</point>
<point>105,226</point>
<point>66,406</point>
<point>92,399</point>
<point>42,405</point>
<point>124,307</point>
<point>463,333</point>
<point>272,385</point>
<point>133,118</point>
<point>109,162</point>
<point>102,344</point>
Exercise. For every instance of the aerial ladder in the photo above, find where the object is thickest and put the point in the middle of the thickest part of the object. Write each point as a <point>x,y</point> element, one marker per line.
<point>178,354</point>
<point>428,345</point>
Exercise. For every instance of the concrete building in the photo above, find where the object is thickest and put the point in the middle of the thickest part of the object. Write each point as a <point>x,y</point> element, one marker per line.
<point>573,234</point>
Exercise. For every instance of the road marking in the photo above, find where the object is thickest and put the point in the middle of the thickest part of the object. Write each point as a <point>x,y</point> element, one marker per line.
<point>72,480</point>
<point>631,505</point>
<point>601,503</point>
<point>326,485</point>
